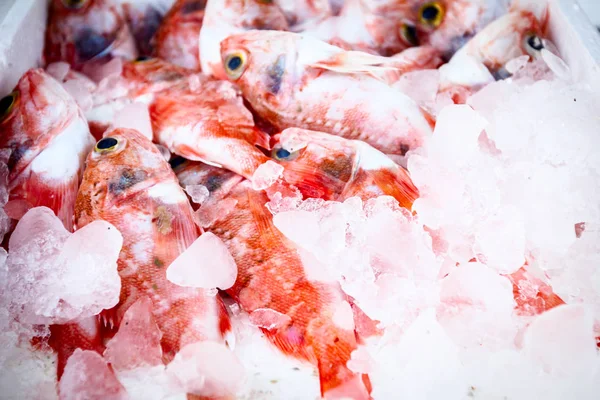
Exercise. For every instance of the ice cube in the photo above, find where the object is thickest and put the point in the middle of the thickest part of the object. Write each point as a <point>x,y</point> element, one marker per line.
<point>269,319</point>
<point>198,193</point>
<point>207,264</point>
<point>343,316</point>
<point>266,175</point>
<point>55,276</point>
<point>206,369</point>
<point>212,211</point>
<point>88,376</point>
<point>302,227</point>
<point>137,343</point>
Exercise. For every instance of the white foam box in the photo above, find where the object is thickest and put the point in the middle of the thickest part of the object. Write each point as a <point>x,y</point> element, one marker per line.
<point>23,22</point>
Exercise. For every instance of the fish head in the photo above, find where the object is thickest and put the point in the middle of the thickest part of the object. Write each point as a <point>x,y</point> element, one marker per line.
<point>81,31</point>
<point>449,24</point>
<point>218,181</point>
<point>320,165</point>
<point>38,110</point>
<point>263,64</point>
<point>518,33</point>
<point>305,11</point>
<point>247,14</point>
<point>122,164</point>
<point>144,18</point>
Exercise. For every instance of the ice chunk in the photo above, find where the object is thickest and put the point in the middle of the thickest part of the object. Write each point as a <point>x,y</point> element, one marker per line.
<point>137,343</point>
<point>58,70</point>
<point>150,383</point>
<point>343,316</point>
<point>476,307</point>
<point>302,227</point>
<point>198,193</point>
<point>207,369</point>
<point>516,64</point>
<point>134,116</point>
<point>88,376</point>
<point>55,276</point>
<point>269,319</point>
<point>212,211</point>
<point>562,340</point>
<point>206,264</point>
<point>266,175</point>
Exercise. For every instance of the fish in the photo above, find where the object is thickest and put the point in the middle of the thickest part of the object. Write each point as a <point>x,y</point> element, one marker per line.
<point>49,139</point>
<point>209,124</point>
<point>223,18</point>
<point>272,284</point>
<point>144,19</point>
<point>518,33</point>
<point>292,80</point>
<point>330,167</point>
<point>87,31</point>
<point>178,38</point>
<point>128,183</point>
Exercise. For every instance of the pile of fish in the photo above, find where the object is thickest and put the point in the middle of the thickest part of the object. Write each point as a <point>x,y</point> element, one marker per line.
<point>289,199</point>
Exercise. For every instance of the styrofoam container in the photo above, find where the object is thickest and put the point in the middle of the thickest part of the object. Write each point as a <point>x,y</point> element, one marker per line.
<point>22,25</point>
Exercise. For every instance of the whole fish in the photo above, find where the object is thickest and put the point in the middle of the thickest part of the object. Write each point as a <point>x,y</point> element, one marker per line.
<point>296,81</point>
<point>223,18</point>
<point>49,139</point>
<point>209,124</point>
<point>128,183</point>
<point>300,317</point>
<point>333,168</point>
<point>178,38</point>
<point>83,31</point>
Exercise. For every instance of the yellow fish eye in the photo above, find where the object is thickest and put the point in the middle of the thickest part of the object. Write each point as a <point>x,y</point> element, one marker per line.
<point>281,154</point>
<point>142,59</point>
<point>235,64</point>
<point>7,104</point>
<point>431,14</point>
<point>408,32</point>
<point>106,145</point>
<point>74,4</point>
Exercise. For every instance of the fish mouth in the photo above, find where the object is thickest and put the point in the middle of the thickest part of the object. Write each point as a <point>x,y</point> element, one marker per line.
<point>130,183</point>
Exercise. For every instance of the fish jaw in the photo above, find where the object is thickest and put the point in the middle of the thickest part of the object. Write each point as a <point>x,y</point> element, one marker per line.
<point>277,282</point>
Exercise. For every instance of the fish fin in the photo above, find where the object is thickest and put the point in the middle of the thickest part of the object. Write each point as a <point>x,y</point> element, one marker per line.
<point>350,62</point>
<point>191,154</point>
<point>398,184</point>
<point>58,195</point>
<point>543,300</point>
<point>295,348</point>
<point>225,327</point>
<point>262,139</point>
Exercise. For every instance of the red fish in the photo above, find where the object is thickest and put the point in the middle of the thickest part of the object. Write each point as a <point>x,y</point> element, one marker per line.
<point>299,316</point>
<point>49,139</point>
<point>333,168</point>
<point>80,31</point>
<point>128,183</point>
<point>144,18</point>
<point>178,38</point>
<point>209,124</point>
<point>296,81</point>
<point>223,18</point>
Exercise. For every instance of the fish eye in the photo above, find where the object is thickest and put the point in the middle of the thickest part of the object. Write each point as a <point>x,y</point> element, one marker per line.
<point>106,145</point>
<point>408,32</point>
<point>74,4</point>
<point>235,64</point>
<point>431,14</point>
<point>533,44</point>
<point>7,104</point>
<point>281,154</point>
<point>141,59</point>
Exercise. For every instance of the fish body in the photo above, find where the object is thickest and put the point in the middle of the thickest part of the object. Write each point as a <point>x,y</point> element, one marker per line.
<point>178,39</point>
<point>209,124</point>
<point>80,32</point>
<point>333,168</point>
<point>297,81</point>
<point>223,18</point>
<point>128,183</point>
<point>272,282</point>
<point>49,138</point>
